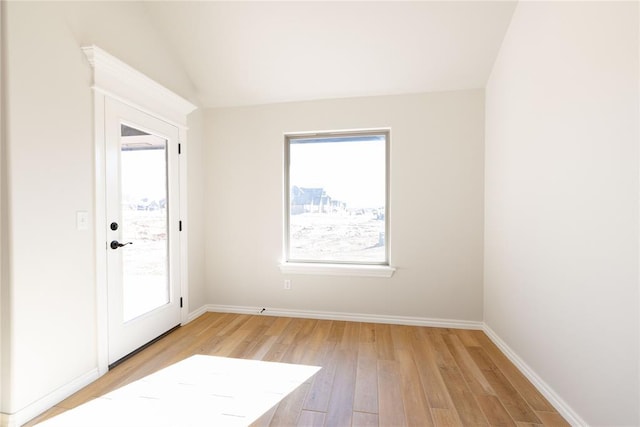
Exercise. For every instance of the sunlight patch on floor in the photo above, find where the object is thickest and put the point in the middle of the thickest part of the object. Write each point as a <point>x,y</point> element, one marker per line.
<point>200,390</point>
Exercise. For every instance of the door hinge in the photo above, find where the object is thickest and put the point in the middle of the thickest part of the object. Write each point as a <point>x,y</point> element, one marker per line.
<point>179,148</point>
<point>180,302</point>
<point>180,225</point>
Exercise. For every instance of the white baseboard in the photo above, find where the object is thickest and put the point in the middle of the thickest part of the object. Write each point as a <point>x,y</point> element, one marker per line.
<point>48,401</point>
<point>561,406</point>
<point>197,313</point>
<point>352,317</point>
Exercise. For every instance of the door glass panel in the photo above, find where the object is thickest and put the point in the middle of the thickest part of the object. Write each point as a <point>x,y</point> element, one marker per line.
<point>145,262</point>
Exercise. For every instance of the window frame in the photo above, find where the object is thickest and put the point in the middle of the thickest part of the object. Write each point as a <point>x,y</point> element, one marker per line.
<point>356,268</point>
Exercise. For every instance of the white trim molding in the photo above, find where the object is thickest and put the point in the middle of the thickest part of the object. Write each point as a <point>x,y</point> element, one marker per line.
<point>561,406</point>
<point>41,405</point>
<point>350,317</point>
<point>184,232</point>
<point>118,80</point>
<point>114,79</point>
<point>197,313</point>
<point>360,270</point>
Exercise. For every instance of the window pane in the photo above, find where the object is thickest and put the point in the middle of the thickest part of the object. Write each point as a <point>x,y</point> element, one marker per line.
<point>337,199</point>
<point>145,263</point>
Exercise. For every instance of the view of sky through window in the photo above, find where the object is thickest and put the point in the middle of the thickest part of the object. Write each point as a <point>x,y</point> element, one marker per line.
<point>337,206</point>
<point>349,169</point>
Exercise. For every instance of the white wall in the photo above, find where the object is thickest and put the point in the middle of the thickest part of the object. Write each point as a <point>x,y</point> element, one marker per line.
<point>4,297</point>
<point>51,329</point>
<point>561,198</point>
<point>195,222</point>
<point>436,206</point>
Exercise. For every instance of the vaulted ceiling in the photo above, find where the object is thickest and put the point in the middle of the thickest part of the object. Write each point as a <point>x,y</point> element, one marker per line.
<point>247,53</point>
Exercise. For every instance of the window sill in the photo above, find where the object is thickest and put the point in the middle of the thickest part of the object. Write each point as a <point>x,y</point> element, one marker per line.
<point>362,270</point>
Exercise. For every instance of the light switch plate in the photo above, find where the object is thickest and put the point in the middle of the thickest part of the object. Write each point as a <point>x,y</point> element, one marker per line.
<point>82,220</point>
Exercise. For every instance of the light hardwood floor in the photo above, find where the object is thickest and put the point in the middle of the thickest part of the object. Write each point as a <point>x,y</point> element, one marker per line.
<point>373,374</point>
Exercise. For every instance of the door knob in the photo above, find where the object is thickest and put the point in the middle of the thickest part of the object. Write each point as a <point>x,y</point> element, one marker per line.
<point>115,244</point>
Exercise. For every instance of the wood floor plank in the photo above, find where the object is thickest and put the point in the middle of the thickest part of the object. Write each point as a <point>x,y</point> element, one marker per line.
<point>463,400</point>
<point>299,347</point>
<point>291,331</point>
<point>474,377</point>
<point>445,417</point>
<point>371,374</point>
<point>552,419</point>
<point>444,358</point>
<point>255,322</point>
<point>400,336</point>
<point>366,391</point>
<point>289,409</point>
<point>510,398</point>
<point>313,345</point>
<point>533,397</point>
<point>276,352</point>
<point>249,341</point>
<point>337,331</point>
<point>481,358</point>
<point>367,332</point>
<point>278,326</point>
<point>340,408</point>
<point>318,396</point>
<point>364,419</point>
<point>305,333</point>
<point>295,353</point>
<point>208,324</point>
<point>432,381</point>
<point>495,412</point>
<point>311,419</point>
<point>261,347</point>
<point>252,343</point>
<point>227,346</point>
<point>384,342</point>
<point>391,407</point>
<point>416,406</point>
<point>467,337</point>
<point>351,336</point>
<point>234,324</point>
<point>461,395</point>
<point>320,334</point>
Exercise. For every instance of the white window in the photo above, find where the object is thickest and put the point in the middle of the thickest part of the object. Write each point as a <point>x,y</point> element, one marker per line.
<point>337,193</point>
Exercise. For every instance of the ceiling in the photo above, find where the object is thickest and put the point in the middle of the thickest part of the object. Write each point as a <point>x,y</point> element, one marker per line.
<point>248,53</point>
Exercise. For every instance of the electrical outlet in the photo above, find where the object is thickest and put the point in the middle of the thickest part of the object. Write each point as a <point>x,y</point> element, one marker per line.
<point>287,284</point>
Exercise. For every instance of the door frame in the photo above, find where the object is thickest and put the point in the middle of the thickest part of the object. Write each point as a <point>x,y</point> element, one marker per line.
<point>126,334</point>
<point>114,79</point>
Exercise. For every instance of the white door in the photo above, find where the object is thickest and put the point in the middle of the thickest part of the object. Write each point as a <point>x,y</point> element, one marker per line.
<point>142,210</point>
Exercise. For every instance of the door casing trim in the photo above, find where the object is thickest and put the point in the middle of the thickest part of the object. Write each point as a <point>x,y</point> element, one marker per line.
<point>115,79</point>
